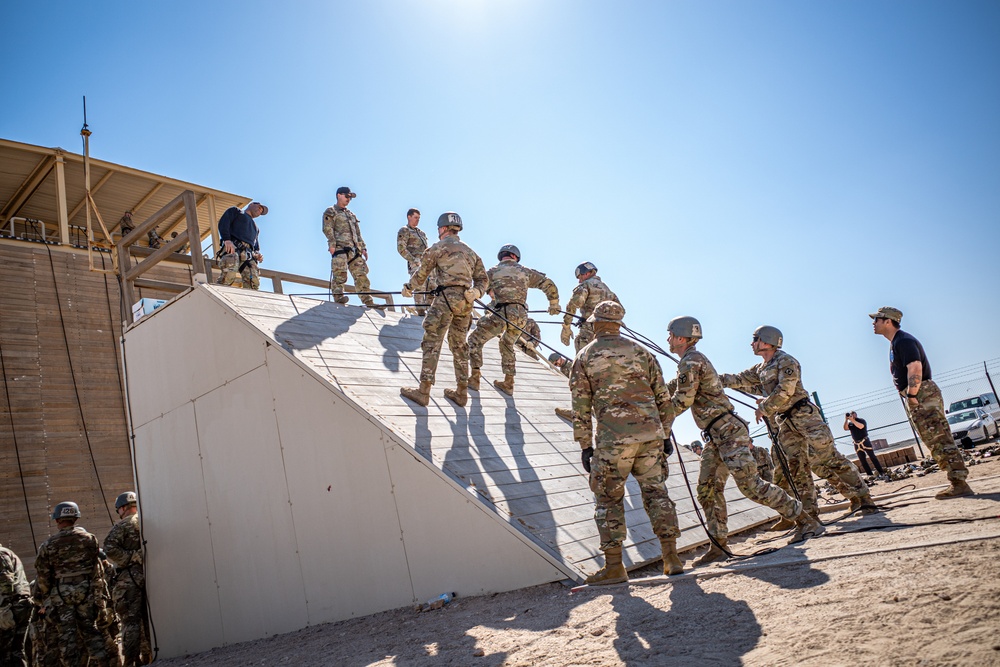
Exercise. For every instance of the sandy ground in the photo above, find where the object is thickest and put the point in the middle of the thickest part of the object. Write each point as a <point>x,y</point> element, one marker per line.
<point>902,594</point>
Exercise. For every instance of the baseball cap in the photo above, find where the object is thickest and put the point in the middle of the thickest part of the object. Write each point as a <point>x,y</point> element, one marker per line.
<point>263,209</point>
<point>888,312</point>
<point>607,311</point>
<point>346,191</point>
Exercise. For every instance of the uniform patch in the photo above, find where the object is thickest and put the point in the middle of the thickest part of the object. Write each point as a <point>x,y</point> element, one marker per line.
<point>682,377</point>
<point>788,371</point>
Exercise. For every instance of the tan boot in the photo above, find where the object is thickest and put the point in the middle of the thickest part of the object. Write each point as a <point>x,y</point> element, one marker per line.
<point>474,378</point>
<point>865,504</point>
<point>458,396</point>
<point>342,298</point>
<point>807,527</point>
<point>783,524</point>
<point>565,414</point>
<point>613,571</point>
<point>714,554</point>
<point>671,563</point>
<point>959,487</point>
<point>420,395</point>
<point>506,386</point>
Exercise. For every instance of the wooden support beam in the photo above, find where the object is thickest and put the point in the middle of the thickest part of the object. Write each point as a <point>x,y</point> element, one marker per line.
<point>93,191</point>
<point>27,188</point>
<point>159,285</point>
<point>145,199</point>
<point>151,261</point>
<point>179,217</point>
<point>213,224</point>
<point>193,232</point>
<point>143,227</point>
<point>61,199</point>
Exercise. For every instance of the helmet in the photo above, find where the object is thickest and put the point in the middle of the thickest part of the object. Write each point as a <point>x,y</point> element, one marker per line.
<point>127,498</point>
<point>512,249</point>
<point>586,267</point>
<point>685,326</point>
<point>450,219</point>
<point>607,311</point>
<point>66,510</point>
<point>768,334</point>
<point>554,357</point>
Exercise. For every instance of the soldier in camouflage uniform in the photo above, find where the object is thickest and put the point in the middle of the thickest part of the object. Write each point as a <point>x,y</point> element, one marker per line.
<point>461,279</point>
<point>727,440</point>
<point>240,253</point>
<point>530,338</point>
<point>348,251</point>
<point>765,466</point>
<point>507,314</point>
<point>71,589</point>
<point>911,373</point>
<point>590,292</point>
<point>124,547</point>
<point>803,436</point>
<point>15,609</point>
<point>565,366</point>
<point>411,242</point>
<point>619,383</point>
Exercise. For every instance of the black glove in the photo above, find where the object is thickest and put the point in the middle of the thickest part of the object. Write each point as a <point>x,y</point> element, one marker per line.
<point>668,446</point>
<point>585,456</point>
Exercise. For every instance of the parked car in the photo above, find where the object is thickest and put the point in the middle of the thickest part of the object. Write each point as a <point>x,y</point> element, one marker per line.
<point>971,426</point>
<point>987,402</point>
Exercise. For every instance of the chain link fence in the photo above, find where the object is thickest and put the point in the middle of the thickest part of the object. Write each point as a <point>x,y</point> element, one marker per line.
<point>884,412</point>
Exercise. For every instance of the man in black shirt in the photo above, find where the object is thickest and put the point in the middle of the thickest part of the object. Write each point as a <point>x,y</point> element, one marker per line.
<point>240,251</point>
<point>911,373</point>
<point>862,445</point>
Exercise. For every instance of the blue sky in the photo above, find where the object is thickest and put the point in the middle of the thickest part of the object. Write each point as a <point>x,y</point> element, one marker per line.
<point>789,163</point>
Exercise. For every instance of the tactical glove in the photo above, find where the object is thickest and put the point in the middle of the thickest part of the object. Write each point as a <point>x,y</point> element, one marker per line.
<point>585,456</point>
<point>566,335</point>
<point>472,294</point>
<point>668,446</point>
<point>407,290</point>
<point>7,618</point>
<point>554,308</point>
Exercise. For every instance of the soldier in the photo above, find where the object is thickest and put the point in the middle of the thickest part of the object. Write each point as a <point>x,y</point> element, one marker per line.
<point>71,589</point>
<point>727,440</point>
<point>411,242</point>
<point>347,249</point>
<point>124,547</point>
<point>590,292</point>
<point>15,609</point>
<point>804,437</point>
<point>765,466</point>
<point>240,252</point>
<point>911,373</point>
<point>620,383</point>
<point>561,362</point>
<point>461,279</point>
<point>530,338</point>
<point>507,314</point>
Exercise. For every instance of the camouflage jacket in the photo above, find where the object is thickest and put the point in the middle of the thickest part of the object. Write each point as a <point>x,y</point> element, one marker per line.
<point>124,544</point>
<point>778,380</point>
<point>510,281</point>
<point>342,229</point>
<point>586,296</point>
<point>453,264</point>
<point>72,552</point>
<point>13,583</point>
<point>566,368</point>
<point>620,383</point>
<point>411,242</point>
<point>763,458</point>
<point>697,386</point>
<point>532,333</point>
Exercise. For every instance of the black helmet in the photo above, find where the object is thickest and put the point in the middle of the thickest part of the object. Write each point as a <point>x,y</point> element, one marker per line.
<point>127,498</point>
<point>67,510</point>
<point>450,219</point>
<point>509,249</point>
<point>586,267</point>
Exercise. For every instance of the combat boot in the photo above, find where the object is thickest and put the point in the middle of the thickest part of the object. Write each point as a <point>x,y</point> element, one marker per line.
<point>959,487</point>
<point>865,504</point>
<point>420,395</point>
<point>565,414</point>
<point>506,385</point>
<point>808,526</point>
<point>613,571</point>
<point>474,378</point>
<point>783,524</point>
<point>459,396</point>
<point>343,298</point>
<point>671,563</point>
<point>715,553</point>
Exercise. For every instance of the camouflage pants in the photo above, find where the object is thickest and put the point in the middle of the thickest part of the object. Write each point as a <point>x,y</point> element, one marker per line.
<point>421,296</point>
<point>765,468</point>
<point>12,640</point>
<point>609,470</point>
<point>807,427</point>
<point>584,335</point>
<point>230,264</point>
<point>728,452</point>
<point>130,607</point>
<point>932,427</point>
<point>74,628</point>
<point>492,325</point>
<point>449,315</point>
<point>356,264</point>
<point>796,451</point>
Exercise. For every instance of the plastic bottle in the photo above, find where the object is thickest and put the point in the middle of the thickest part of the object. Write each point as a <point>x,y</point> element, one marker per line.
<point>439,601</point>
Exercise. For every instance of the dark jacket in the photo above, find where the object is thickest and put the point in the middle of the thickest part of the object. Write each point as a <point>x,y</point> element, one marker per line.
<point>235,225</point>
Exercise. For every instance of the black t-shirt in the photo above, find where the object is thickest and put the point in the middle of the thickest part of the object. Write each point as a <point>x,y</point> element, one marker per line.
<point>858,434</point>
<point>905,349</point>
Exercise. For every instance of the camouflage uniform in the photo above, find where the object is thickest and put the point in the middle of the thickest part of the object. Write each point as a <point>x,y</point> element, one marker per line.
<point>585,297</point>
<point>620,383</point>
<point>239,269</point>
<point>530,338</point>
<point>765,466</point>
<point>802,433</point>
<point>727,443</point>
<point>15,609</point>
<point>124,547</point>
<point>566,368</point>
<point>456,267</point>
<point>343,235</point>
<point>411,242</point>
<point>509,282</point>
<point>72,590</point>
<point>934,430</point>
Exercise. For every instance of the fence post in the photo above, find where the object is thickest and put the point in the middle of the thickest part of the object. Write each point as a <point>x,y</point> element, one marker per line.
<point>916,437</point>
<point>990,380</point>
<point>818,405</point>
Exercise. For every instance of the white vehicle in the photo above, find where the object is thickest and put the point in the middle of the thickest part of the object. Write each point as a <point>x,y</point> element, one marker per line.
<point>971,426</point>
<point>987,402</point>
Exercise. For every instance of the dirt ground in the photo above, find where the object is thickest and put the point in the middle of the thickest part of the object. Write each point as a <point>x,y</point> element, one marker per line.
<point>914,592</point>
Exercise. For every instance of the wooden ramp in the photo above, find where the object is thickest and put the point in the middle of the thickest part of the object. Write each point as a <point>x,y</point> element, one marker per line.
<point>281,415</point>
